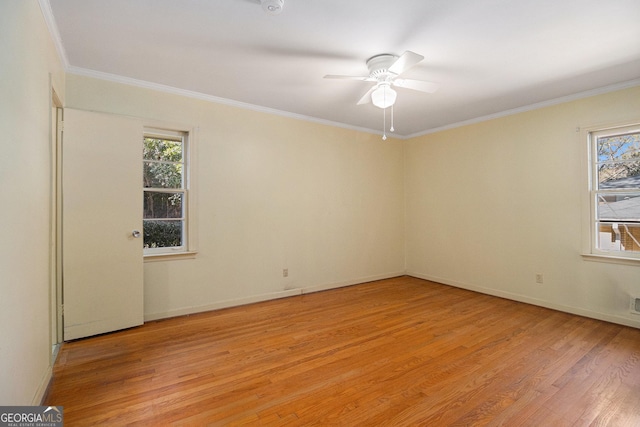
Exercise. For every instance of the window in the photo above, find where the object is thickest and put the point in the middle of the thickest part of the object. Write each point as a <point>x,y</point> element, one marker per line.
<point>615,191</point>
<point>165,187</point>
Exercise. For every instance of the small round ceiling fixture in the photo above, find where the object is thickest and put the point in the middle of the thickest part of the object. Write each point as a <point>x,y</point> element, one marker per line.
<point>273,7</point>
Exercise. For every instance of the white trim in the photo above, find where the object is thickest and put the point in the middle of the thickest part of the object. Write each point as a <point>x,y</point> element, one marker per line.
<point>589,160</point>
<point>187,135</point>
<point>198,95</point>
<point>529,300</point>
<point>335,285</point>
<point>42,387</point>
<point>166,256</point>
<point>531,107</point>
<point>612,259</point>
<point>264,297</point>
<point>221,304</point>
<point>45,7</point>
<point>215,99</point>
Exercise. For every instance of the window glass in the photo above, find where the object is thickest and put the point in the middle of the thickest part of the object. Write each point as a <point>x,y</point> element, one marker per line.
<point>616,191</point>
<point>165,193</point>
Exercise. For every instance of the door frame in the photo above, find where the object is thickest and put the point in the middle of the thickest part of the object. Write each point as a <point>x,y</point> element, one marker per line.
<point>55,225</point>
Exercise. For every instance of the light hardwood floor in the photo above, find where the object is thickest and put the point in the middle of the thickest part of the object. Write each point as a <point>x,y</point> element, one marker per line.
<point>397,352</point>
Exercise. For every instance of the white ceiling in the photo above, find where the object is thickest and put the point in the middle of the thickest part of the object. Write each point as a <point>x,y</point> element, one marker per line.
<point>489,56</point>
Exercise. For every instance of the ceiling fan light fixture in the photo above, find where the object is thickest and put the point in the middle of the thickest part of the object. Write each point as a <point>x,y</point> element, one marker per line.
<point>272,7</point>
<point>383,96</point>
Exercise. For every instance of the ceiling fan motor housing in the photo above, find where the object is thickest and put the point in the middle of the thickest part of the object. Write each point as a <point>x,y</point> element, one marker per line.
<point>379,66</point>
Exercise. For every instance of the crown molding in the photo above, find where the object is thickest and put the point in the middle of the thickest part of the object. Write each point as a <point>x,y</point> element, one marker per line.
<point>531,107</point>
<point>215,99</point>
<point>47,13</point>
<point>218,100</point>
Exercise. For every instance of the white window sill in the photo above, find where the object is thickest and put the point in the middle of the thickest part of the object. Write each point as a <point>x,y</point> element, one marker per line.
<point>169,256</point>
<point>611,259</point>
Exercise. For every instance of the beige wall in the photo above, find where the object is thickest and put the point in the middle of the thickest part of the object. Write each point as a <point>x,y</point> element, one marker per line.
<point>491,205</point>
<point>27,57</point>
<point>273,193</point>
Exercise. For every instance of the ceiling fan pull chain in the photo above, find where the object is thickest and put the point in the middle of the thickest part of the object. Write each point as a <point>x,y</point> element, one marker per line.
<point>391,129</point>
<point>384,124</point>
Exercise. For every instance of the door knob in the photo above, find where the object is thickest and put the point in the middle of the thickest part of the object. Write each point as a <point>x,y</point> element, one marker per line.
<point>136,234</point>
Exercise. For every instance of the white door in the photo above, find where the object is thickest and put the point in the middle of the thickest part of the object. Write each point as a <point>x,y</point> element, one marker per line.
<point>101,208</point>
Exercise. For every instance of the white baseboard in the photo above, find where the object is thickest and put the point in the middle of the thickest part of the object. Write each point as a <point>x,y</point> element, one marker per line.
<point>325,287</point>
<point>221,304</point>
<point>530,300</point>
<point>263,297</point>
<point>42,388</point>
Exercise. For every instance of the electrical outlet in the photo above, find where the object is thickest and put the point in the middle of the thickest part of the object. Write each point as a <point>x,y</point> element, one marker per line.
<point>539,278</point>
<point>285,272</point>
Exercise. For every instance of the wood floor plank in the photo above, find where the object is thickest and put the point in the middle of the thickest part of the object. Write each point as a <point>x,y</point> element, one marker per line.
<point>396,352</point>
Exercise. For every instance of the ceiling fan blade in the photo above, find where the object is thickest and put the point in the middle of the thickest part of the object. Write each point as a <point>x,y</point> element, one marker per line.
<point>361,78</point>
<point>406,61</point>
<point>419,85</point>
<point>367,96</point>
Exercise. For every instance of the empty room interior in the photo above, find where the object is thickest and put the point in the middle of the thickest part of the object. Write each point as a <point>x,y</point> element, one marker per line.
<point>293,212</point>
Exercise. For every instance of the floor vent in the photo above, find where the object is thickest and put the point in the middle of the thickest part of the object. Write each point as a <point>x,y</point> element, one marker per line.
<point>635,305</point>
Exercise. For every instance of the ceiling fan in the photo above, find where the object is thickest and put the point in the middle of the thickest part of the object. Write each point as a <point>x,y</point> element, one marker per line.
<point>385,70</point>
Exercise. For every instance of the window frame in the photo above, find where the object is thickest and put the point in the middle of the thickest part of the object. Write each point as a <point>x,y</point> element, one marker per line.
<point>591,223</point>
<point>188,247</point>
